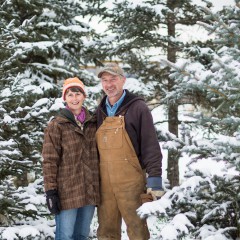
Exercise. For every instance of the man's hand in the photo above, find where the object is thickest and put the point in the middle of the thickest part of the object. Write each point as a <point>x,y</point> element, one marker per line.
<point>53,201</point>
<point>146,198</point>
<point>156,194</point>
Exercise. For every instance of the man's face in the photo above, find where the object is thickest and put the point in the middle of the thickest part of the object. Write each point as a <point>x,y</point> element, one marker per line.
<point>112,85</point>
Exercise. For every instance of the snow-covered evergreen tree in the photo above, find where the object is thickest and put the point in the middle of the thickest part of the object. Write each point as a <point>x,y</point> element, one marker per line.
<point>138,33</point>
<point>42,43</point>
<point>207,203</point>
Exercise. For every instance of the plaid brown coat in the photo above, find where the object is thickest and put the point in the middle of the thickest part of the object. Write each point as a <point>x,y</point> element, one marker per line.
<point>70,160</point>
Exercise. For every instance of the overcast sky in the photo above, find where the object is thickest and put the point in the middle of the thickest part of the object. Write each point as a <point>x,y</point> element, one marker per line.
<point>198,33</point>
<point>218,4</point>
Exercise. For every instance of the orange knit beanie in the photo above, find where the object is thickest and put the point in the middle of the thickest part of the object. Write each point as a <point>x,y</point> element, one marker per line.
<point>72,82</point>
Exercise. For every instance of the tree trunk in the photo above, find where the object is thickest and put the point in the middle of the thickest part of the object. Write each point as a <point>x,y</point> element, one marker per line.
<point>173,156</point>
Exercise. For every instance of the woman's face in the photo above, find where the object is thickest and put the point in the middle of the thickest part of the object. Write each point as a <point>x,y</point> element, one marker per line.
<point>74,100</point>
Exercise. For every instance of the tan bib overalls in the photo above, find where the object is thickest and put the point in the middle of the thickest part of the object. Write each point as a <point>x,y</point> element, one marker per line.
<point>122,182</point>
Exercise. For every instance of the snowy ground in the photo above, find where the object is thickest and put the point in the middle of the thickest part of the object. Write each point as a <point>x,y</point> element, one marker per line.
<point>154,225</point>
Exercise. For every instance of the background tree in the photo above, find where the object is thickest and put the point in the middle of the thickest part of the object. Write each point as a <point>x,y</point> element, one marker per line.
<point>208,204</point>
<point>141,33</point>
<point>42,43</point>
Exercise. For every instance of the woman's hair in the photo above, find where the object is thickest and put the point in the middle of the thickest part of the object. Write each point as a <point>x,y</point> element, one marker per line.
<point>75,89</point>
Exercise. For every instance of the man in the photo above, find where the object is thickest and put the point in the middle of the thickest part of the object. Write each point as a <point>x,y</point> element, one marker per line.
<point>128,147</point>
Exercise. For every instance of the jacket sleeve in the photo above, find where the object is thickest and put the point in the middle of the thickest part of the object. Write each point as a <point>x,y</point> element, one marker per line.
<point>51,153</point>
<point>150,152</point>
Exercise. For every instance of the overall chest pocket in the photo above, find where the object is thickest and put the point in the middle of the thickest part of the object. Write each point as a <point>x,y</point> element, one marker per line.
<point>109,138</point>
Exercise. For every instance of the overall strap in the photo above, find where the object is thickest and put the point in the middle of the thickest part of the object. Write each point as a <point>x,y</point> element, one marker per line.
<point>121,113</point>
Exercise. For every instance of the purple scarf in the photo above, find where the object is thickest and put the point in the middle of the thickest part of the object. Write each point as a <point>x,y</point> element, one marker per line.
<point>81,116</point>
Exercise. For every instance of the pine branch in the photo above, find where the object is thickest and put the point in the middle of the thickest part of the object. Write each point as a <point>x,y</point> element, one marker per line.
<point>193,76</point>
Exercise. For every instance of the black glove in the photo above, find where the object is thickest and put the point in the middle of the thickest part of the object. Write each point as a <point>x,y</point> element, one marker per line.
<point>53,201</point>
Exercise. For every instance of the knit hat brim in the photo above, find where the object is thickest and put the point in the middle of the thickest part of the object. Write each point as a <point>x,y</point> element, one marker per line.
<point>72,82</point>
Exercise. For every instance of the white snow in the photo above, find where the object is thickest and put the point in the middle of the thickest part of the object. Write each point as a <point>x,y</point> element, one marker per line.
<point>31,207</point>
<point>10,233</point>
<point>6,92</point>
<point>33,89</point>
<point>74,28</point>
<point>57,104</point>
<point>45,86</point>
<point>169,232</point>
<point>28,231</point>
<point>40,102</point>
<point>135,85</point>
<point>8,119</point>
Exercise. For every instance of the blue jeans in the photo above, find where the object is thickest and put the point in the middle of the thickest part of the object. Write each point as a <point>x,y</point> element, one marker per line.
<point>74,224</point>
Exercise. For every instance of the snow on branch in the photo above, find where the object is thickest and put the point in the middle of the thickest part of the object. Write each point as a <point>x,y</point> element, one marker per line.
<point>156,208</point>
<point>182,70</point>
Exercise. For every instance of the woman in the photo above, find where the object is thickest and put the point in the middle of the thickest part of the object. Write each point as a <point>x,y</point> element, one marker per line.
<point>70,165</point>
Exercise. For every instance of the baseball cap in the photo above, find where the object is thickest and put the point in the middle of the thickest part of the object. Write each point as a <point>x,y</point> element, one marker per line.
<point>111,68</point>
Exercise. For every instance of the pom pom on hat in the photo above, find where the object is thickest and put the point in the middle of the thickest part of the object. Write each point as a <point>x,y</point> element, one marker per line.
<point>72,82</point>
